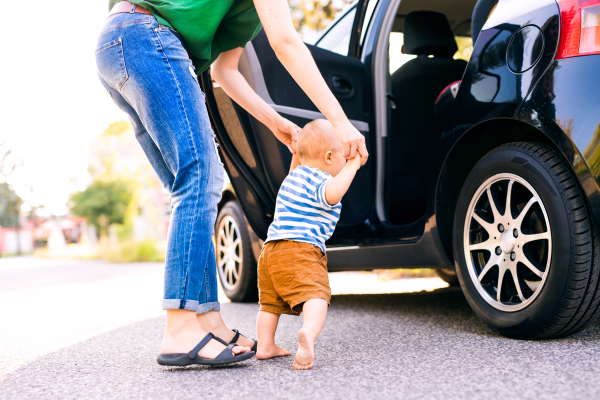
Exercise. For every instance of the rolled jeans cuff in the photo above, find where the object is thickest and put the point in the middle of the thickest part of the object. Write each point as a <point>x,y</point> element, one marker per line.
<point>206,307</point>
<point>176,304</point>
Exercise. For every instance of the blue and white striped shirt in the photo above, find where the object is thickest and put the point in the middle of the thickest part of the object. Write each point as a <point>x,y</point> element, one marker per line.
<point>301,211</point>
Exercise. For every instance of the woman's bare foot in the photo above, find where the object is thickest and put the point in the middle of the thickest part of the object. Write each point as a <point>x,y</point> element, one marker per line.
<point>305,356</point>
<point>212,322</point>
<point>266,352</point>
<point>183,333</point>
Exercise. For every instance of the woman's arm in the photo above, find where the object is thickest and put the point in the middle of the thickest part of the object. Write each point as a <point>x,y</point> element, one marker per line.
<point>295,57</point>
<point>225,72</point>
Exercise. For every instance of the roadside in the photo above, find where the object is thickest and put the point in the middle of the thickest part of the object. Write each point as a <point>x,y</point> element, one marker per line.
<point>50,304</point>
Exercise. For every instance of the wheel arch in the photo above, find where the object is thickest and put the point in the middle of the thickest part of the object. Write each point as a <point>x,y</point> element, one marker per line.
<point>462,157</point>
<point>229,195</point>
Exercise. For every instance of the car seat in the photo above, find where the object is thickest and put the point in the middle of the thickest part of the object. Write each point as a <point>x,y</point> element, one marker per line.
<point>414,129</point>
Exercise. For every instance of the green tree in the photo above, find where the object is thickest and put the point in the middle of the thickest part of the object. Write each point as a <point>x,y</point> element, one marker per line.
<point>10,206</point>
<point>105,202</point>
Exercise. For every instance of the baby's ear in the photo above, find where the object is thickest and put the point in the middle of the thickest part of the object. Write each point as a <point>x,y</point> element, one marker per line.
<point>328,156</point>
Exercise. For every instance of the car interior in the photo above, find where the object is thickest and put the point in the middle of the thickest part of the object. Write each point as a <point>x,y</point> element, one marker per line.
<point>425,63</point>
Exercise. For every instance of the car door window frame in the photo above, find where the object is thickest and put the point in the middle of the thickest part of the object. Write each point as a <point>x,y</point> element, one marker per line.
<point>357,36</point>
<point>336,24</point>
<point>360,29</point>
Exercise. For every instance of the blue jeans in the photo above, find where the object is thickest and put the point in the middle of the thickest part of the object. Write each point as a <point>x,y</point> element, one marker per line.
<point>149,75</point>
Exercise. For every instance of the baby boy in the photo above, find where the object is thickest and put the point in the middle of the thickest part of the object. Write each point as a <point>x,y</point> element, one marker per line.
<point>292,268</point>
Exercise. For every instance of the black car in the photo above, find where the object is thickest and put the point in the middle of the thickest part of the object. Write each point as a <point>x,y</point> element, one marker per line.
<point>488,167</point>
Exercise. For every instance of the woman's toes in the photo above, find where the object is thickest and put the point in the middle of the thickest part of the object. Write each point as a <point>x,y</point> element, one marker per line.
<point>237,350</point>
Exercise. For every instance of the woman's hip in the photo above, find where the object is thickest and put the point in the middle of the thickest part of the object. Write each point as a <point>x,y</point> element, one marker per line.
<point>134,47</point>
<point>146,65</point>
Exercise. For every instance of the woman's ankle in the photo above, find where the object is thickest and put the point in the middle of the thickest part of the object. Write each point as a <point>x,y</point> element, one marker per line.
<point>180,322</point>
<point>211,321</point>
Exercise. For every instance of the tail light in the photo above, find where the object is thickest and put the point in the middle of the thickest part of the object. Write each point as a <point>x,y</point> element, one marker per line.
<point>579,28</point>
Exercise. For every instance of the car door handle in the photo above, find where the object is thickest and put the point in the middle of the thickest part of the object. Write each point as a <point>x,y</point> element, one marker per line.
<point>342,87</point>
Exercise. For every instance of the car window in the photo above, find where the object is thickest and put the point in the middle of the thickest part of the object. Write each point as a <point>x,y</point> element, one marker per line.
<point>465,48</point>
<point>337,38</point>
<point>397,59</point>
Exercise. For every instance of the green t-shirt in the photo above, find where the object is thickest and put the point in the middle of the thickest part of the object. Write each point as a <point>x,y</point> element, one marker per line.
<point>208,27</point>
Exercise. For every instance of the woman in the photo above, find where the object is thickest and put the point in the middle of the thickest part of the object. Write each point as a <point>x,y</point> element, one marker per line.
<point>148,56</point>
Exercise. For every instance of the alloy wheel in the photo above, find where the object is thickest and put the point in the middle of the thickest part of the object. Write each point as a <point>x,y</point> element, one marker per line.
<point>507,242</point>
<point>229,253</point>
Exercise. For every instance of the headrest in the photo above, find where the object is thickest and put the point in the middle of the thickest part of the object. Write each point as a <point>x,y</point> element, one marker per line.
<point>428,33</point>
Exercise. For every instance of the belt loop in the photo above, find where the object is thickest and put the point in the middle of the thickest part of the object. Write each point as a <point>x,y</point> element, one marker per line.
<point>132,9</point>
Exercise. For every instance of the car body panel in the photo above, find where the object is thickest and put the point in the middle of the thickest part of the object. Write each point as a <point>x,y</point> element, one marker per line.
<point>483,114</point>
<point>565,107</point>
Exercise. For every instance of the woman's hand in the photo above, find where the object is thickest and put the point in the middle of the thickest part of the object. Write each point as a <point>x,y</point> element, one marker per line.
<point>352,140</point>
<point>286,131</point>
<point>298,61</point>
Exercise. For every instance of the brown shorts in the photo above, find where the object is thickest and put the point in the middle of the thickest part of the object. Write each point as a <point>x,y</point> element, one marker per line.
<point>289,274</point>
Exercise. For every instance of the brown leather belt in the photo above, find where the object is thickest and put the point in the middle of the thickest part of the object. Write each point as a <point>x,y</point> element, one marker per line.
<point>125,7</point>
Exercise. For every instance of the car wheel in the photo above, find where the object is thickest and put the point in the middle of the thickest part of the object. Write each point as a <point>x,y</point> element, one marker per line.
<point>526,245</point>
<point>448,275</point>
<point>235,264</point>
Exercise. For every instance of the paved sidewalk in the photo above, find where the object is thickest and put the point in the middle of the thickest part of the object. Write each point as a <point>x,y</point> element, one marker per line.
<point>49,304</point>
<point>408,345</point>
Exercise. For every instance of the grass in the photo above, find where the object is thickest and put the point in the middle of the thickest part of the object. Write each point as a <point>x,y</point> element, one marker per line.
<point>121,251</point>
<point>130,251</point>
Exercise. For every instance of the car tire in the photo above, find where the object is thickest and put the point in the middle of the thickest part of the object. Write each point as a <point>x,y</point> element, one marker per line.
<point>448,275</point>
<point>236,267</point>
<point>549,285</point>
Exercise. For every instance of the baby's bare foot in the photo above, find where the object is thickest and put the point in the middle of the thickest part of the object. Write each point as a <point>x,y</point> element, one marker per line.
<point>305,356</point>
<point>264,353</point>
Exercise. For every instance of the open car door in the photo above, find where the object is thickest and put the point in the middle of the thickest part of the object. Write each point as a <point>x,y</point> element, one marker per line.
<point>254,159</point>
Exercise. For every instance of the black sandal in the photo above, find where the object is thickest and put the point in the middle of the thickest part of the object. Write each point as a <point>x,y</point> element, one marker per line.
<point>191,358</point>
<point>237,336</point>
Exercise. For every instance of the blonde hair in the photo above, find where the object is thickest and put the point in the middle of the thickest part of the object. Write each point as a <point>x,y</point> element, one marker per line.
<point>316,138</point>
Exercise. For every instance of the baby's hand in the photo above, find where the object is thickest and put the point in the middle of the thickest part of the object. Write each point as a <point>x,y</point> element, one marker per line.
<point>354,162</point>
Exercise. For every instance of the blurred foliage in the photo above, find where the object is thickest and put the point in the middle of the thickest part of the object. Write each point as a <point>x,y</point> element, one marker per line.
<point>130,251</point>
<point>465,48</point>
<point>117,128</point>
<point>592,151</point>
<point>120,194</point>
<point>105,202</point>
<point>10,206</point>
<point>315,15</point>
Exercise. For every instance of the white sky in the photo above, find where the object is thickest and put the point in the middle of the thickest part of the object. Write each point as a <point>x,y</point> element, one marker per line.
<point>51,102</point>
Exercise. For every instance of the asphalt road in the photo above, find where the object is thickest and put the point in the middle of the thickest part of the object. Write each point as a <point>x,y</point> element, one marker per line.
<point>407,345</point>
